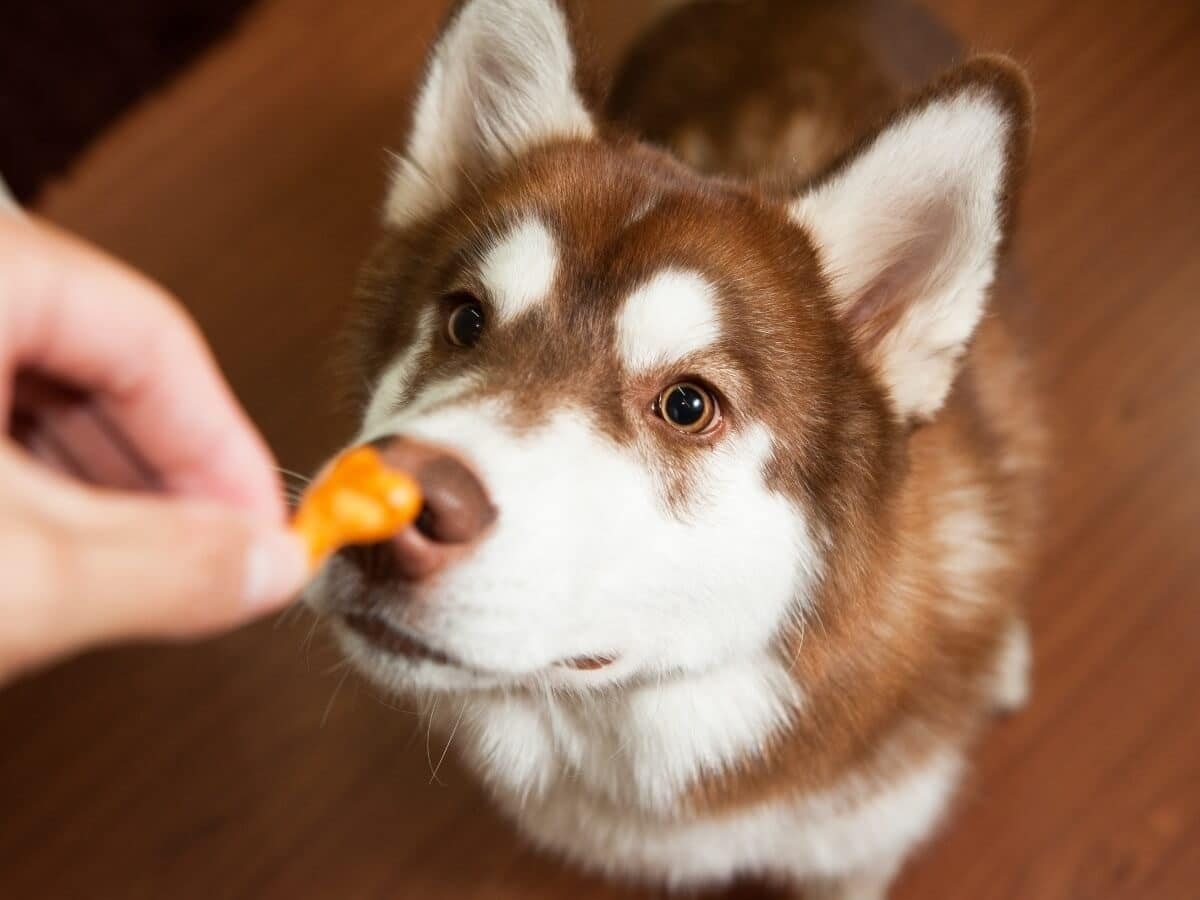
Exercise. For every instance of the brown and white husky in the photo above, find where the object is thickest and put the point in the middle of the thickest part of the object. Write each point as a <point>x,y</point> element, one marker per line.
<point>730,463</point>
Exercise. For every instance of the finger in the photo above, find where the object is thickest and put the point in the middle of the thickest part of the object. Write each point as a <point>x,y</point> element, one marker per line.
<point>81,440</point>
<point>135,567</point>
<point>42,445</point>
<point>83,566</point>
<point>70,313</point>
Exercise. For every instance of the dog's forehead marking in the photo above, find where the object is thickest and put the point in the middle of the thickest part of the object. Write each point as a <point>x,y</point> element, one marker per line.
<point>518,270</point>
<point>666,319</point>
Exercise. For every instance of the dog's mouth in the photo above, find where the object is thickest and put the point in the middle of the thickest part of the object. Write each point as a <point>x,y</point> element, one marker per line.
<point>382,635</point>
<point>588,663</point>
<point>386,637</point>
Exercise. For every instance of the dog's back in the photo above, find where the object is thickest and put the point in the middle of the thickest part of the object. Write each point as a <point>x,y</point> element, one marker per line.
<point>775,89</point>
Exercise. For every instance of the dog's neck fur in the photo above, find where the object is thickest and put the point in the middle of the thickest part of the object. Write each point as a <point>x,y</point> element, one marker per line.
<point>637,748</point>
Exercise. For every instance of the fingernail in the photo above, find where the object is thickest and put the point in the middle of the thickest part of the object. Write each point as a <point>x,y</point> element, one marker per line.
<point>276,568</point>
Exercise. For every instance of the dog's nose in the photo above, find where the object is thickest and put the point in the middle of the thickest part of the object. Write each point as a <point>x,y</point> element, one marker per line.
<point>456,513</point>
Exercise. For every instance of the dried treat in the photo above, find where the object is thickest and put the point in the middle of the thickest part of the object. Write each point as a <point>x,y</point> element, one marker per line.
<point>356,500</point>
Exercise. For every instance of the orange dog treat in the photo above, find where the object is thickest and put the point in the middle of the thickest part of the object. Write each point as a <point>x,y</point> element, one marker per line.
<point>357,500</point>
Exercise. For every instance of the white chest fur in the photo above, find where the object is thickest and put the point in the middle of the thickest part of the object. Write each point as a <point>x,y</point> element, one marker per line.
<point>603,782</point>
<point>637,749</point>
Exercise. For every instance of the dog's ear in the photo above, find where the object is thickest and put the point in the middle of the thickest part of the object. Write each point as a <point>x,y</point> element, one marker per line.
<point>909,225</point>
<point>501,78</point>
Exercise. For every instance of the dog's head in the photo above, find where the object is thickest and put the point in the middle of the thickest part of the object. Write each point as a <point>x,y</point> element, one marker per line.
<point>645,405</point>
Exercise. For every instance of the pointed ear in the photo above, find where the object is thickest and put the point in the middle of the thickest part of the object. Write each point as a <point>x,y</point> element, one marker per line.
<point>909,226</point>
<point>500,79</point>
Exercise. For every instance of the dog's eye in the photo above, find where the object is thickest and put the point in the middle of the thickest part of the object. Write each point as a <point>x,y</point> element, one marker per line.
<point>465,325</point>
<point>687,407</point>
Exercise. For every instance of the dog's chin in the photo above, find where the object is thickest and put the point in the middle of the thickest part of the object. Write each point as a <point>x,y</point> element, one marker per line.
<point>401,662</point>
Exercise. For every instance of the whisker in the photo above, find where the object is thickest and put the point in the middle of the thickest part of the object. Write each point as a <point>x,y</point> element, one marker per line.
<point>449,741</point>
<point>291,473</point>
<point>289,615</point>
<point>333,696</point>
<point>306,646</point>
<point>428,739</point>
<point>382,700</point>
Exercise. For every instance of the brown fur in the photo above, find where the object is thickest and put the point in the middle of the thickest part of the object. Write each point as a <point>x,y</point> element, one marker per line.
<point>821,75</point>
<point>771,293</point>
<point>894,659</point>
<point>890,667</point>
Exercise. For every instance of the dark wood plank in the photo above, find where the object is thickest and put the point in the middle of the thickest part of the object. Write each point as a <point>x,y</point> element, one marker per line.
<point>237,768</point>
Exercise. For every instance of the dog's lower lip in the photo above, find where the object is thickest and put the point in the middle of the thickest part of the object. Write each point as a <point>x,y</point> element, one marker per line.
<point>387,637</point>
<point>384,636</point>
<point>589,663</point>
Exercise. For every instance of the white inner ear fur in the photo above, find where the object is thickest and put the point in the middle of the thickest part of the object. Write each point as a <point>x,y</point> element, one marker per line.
<point>501,79</point>
<point>670,317</point>
<point>908,233</point>
<point>519,269</point>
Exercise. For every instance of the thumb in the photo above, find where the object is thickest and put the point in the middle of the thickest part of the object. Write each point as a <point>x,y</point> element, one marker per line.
<point>161,567</point>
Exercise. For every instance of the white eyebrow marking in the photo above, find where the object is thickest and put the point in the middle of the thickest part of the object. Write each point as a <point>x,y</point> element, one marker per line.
<point>519,269</point>
<point>669,317</point>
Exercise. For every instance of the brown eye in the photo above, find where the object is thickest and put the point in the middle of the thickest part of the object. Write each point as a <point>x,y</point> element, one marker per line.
<point>465,325</point>
<point>687,407</point>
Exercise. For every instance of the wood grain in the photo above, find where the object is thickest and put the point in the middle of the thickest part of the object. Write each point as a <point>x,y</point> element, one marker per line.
<point>237,768</point>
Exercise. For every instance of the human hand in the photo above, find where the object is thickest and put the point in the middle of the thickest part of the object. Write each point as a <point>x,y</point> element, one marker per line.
<point>169,521</point>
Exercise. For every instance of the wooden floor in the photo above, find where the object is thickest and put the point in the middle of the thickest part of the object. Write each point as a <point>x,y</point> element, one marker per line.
<point>238,768</point>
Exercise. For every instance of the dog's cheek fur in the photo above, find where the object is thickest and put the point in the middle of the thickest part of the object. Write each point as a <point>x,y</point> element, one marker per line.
<point>588,557</point>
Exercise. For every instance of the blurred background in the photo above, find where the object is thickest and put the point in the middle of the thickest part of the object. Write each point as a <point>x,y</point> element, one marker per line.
<point>234,150</point>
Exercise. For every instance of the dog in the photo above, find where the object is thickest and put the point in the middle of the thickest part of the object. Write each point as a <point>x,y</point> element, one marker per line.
<point>730,461</point>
